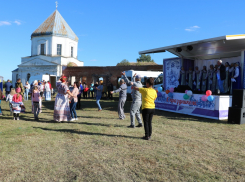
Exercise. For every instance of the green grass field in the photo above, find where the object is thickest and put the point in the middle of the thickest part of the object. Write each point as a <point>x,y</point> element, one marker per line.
<point>99,147</point>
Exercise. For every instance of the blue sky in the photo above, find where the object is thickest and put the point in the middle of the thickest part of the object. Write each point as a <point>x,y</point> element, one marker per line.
<point>112,30</point>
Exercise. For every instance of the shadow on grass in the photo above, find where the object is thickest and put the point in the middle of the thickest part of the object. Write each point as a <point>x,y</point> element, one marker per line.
<point>91,104</point>
<point>32,119</point>
<point>85,133</point>
<point>43,120</point>
<point>95,124</point>
<point>184,117</point>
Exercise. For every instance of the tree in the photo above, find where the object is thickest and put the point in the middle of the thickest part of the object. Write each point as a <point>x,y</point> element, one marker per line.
<point>145,58</point>
<point>124,62</point>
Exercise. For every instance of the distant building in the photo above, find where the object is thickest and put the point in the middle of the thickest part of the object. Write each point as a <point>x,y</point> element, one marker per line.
<point>54,46</point>
<point>92,74</point>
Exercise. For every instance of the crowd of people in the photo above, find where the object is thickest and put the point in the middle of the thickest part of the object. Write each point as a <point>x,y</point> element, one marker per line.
<point>37,91</point>
<point>67,100</point>
<point>219,78</point>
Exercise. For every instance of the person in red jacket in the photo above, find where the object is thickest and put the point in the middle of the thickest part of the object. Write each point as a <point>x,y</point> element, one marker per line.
<point>50,85</point>
<point>85,92</point>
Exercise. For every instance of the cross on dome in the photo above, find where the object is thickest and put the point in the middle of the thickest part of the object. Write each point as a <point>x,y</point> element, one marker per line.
<point>56,4</point>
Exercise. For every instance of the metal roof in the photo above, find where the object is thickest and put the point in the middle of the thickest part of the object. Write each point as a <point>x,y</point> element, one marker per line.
<point>55,25</point>
<point>219,47</point>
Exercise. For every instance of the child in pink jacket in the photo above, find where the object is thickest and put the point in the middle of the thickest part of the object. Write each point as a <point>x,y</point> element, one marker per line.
<point>16,104</point>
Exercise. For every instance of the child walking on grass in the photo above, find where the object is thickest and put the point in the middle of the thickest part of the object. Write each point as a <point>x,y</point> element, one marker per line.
<point>36,97</point>
<point>16,104</point>
<point>10,98</point>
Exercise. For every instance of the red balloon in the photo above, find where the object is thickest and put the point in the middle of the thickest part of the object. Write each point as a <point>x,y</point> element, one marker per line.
<point>208,92</point>
<point>167,91</point>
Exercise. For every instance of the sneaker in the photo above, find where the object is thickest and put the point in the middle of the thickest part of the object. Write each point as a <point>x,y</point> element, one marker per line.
<point>76,118</point>
<point>131,126</point>
<point>14,119</point>
<point>72,119</point>
<point>145,138</point>
<point>18,118</point>
<point>139,125</point>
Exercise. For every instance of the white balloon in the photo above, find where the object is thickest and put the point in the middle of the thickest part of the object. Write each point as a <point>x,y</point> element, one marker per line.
<point>189,93</point>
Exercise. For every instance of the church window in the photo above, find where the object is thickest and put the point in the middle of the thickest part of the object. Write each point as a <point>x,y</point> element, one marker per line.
<point>28,76</point>
<point>42,49</point>
<point>17,76</point>
<point>71,51</point>
<point>59,47</point>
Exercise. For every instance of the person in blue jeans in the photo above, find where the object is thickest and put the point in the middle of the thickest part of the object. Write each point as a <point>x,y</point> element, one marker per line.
<point>99,90</point>
<point>74,100</point>
<point>27,89</point>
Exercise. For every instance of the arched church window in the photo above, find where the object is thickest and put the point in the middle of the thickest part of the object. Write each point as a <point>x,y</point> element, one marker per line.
<point>28,76</point>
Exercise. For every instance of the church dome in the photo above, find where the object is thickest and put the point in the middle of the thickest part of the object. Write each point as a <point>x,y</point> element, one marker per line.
<point>55,25</point>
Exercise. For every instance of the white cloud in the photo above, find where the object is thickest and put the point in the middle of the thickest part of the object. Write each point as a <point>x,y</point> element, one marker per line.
<point>17,22</point>
<point>93,60</point>
<point>4,23</point>
<point>196,26</point>
<point>191,29</point>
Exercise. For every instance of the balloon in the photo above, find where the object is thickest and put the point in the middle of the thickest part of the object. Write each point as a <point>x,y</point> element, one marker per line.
<point>167,91</point>
<point>171,89</point>
<point>204,98</point>
<point>186,96</point>
<point>159,89</point>
<point>170,94</point>
<point>186,91</point>
<point>189,93</point>
<point>156,90</point>
<point>159,94</point>
<point>208,92</point>
<point>210,98</point>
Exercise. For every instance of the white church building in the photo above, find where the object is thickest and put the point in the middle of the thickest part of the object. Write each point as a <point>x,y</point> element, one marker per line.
<point>53,46</point>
